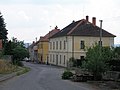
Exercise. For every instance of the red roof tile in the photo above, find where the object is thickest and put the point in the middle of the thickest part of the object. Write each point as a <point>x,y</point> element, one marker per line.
<point>48,35</point>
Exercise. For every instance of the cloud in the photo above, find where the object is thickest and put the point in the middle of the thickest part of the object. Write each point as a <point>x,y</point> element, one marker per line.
<point>34,17</point>
<point>23,15</point>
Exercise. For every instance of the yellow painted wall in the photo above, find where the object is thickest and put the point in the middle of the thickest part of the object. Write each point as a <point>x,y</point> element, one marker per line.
<point>43,51</point>
<point>89,42</point>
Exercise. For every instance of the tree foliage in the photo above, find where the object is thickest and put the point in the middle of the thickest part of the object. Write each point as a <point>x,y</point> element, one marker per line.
<point>19,53</point>
<point>3,30</point>
<point>117,52</point>
<point>96,60</point>
<point>16,49</point>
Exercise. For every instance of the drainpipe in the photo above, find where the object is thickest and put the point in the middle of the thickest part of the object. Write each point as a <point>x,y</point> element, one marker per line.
<point>72,46</point>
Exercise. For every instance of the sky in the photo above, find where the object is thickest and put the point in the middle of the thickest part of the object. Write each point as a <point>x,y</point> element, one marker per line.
<point>27,20</point>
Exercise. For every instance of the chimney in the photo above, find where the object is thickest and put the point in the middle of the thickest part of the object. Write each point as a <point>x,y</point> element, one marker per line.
<point>94,21</point>
<point>56,27</point>
<point>73,21</point>
<point>87,18</point>
<point>33,41</point>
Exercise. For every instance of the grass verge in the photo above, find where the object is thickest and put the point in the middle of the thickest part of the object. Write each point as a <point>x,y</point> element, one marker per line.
<point>23,70</point>
<point>6,67</point>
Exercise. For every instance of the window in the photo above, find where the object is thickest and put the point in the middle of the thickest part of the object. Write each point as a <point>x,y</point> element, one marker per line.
<point>56,45</point>
<point>53,58</point>
<point>64,59</point>
<point>60,45</point>
<point>82,44</point>
<point>82,57</point>
<point>56,59</point>
<point>50,57</point>
<point>100,43</point>
<point>50,45</point>
<point>64,44</point>
<point>60,59</point>
<point>53,45</point>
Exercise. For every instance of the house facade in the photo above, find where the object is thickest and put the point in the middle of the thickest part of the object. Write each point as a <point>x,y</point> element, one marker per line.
<point>43,46</point>
<point>33,51</point>
<point>75,39</point>
<point>42,51</point>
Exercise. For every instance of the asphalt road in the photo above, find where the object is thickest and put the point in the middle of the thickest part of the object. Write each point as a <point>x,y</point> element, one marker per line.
<point>43,77</point>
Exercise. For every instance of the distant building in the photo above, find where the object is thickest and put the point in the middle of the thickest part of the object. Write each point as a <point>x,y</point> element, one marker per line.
<point>43,46</point>
<point>33,49</point>
<point>74,39</point>
<point>27,44</point>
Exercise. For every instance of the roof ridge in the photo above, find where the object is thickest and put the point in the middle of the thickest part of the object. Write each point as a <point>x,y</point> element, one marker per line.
<point>75,26</point>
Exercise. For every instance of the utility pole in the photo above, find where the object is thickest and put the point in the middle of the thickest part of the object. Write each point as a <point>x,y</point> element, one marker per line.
<point>100,35</point>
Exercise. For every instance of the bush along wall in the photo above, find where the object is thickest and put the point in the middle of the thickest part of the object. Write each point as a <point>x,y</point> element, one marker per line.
<point>67,74</point>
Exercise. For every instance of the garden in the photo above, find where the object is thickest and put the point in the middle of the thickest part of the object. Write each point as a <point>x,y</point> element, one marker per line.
<point>100,66</point>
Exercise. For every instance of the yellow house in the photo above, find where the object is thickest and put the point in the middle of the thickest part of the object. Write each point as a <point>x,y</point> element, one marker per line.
<point>74,39</point>
<point>43,46</point>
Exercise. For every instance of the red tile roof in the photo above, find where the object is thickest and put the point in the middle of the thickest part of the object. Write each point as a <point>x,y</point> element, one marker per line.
<point>33,44</point>
<point>50,34</point>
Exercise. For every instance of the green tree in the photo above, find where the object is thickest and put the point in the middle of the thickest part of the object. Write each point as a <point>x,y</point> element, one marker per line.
<point>20,53</point>
<point>96,60</point>
<point>16,49</point>
<point>10,45</point>
<point>117,52</point>
<point>107,53</point>
<point>3,30</point>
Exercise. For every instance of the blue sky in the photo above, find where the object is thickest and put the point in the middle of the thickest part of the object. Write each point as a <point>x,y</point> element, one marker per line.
<point>28,19</point>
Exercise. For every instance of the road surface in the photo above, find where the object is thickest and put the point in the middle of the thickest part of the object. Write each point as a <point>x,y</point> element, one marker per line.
<point>43,77</point>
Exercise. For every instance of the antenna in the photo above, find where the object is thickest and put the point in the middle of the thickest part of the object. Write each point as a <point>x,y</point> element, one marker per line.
<point>36,39</point>
<point>50,27</point>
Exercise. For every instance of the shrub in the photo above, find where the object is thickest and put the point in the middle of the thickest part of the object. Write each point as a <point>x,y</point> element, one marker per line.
<point>96,59</point>
<point>115,64</point>
<point>20,64</point>
<point>67,74</point>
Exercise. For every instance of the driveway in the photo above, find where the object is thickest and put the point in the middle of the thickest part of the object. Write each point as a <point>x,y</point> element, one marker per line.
<point>43,77</point>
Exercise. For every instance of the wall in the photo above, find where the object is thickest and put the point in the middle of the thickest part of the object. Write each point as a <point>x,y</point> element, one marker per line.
<point>72,48</point>
<point>43,51</point>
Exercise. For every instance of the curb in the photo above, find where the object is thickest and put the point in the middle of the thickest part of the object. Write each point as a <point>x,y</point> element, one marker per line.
<point>7,76</point>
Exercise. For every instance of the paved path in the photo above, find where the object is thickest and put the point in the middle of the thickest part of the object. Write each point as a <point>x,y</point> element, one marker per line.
<point>42,77</point>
